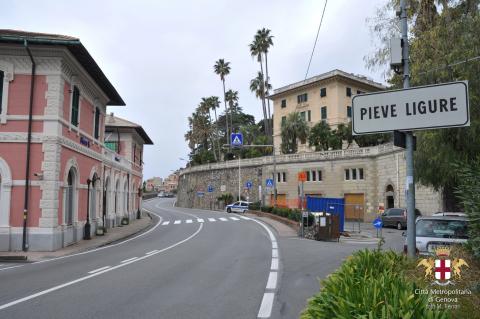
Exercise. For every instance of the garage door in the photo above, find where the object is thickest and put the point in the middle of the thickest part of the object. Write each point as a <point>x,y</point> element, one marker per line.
<point>281,200</point>
<point>354,206</point>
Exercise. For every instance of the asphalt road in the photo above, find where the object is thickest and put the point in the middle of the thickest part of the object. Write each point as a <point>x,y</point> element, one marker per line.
<point>191,264</point>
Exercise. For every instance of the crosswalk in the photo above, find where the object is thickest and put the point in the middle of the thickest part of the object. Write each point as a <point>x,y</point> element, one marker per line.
<point>203,220</point>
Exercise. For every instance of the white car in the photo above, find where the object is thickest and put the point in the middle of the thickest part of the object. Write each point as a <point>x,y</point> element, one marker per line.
<point>237,207</point>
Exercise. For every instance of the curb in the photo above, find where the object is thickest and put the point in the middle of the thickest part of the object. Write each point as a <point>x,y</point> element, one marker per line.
<point>14,259</point>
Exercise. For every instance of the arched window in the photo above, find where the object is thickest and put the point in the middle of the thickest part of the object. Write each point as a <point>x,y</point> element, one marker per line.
<point>5,192</point>
<point>93,197</point>
<point>70,197</point>
<point>390,196</point>
<point>125,198</point>
<point>117,190</point>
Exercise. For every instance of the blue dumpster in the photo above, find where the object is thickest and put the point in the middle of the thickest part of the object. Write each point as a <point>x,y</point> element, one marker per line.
<point>334,206</point>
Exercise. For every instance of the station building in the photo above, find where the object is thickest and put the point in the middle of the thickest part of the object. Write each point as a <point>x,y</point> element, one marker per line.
<point>58,169</point>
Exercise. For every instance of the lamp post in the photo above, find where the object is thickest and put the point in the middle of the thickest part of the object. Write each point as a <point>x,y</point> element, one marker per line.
<point>86,230</point>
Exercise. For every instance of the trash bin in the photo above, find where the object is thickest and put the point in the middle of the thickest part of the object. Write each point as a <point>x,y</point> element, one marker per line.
<point>327,226</point>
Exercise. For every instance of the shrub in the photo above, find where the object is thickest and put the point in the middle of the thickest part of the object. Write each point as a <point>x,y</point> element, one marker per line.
<point>266,209</point>
<point>254,206</point>
<point>226,198</point>
<point>370,284</point>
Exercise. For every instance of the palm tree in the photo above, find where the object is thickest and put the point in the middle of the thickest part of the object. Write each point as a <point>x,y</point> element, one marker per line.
<point>257,86</point>
<point>293,129</point>
<point>222,68</point>
<point>256,50</point>
<point>232,99</point>
<point>204,108</point>
<point>214,103</point>
<point>265,43</point>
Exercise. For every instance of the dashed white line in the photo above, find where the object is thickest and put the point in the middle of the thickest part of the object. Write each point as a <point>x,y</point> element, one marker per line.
<point>151,252</point>
<point>177,222</point>
<point>272,280</point>
<point>98,269</point>
<point>211,219</point>
<point>200,220</point>
<point>127,260</point>
<point>274,264</point>
<point>223,219</point>
<point>189,221</point>
<point>274,253</point>
<point>166,223</point>
<point>234,218</point>
<point>266,305</point>
<point>274,245</point>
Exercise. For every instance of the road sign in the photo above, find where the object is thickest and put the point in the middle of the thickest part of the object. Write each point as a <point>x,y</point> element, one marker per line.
<point>377,223</point>
<point>210,189</point>
<point>248,184</point>
<point>200,194</point>
<point>236,139</point>
<point>302,176</point>
<point>418,108</point>
<point>223,188</point>
<point>269,182</point>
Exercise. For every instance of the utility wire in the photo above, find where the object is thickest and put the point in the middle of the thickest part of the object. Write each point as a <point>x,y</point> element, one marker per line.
<point>316,38</point>
<point>450,65</point>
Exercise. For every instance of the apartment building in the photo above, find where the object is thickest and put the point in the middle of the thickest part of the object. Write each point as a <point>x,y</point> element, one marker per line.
<point>59,181</point>
<point>325,97</point>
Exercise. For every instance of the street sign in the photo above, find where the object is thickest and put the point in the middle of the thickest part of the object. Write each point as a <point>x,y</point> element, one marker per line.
<point>200,194</point>
<point>269,182</point>
<point>417,108</point>
<point>236,139</point>
<point>248,184</point>
<point>302,176</point>
<point>223,188</point>
<point>377,223</point>
<point>210,189</point>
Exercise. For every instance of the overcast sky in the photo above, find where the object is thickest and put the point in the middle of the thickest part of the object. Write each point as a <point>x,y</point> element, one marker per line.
<point>160,54</point>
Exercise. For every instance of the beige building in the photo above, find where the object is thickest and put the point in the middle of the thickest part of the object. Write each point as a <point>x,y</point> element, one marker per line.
<point>325,97</point>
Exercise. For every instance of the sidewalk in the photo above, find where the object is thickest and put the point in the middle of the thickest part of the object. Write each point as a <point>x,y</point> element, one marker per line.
<point>281,229</point>
<point>112,235</point>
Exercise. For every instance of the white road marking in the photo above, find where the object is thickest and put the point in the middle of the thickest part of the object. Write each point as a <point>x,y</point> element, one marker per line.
<point>272,280</point>
<point>166,223</point>
<point>223,219</point>
<point>234,218</point>
<point>274,245</point>
<point>266,305</point>
<point>188,221</point>
<point>274,253</point>
<point>246,218</point>
<point>152,252</point>
<point>200,220</point>
<point>211,219</point>
<point>98,269</point>
<point>177,222</point>
<point>274,264</point>
<point>127,260</point>
<point>38,294</point>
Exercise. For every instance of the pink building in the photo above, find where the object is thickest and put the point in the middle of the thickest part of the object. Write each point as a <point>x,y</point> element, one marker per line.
<point>59,180</point>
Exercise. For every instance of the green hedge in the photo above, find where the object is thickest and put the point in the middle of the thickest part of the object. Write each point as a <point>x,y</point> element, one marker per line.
<point>370,284</point>
<point>292,214</point>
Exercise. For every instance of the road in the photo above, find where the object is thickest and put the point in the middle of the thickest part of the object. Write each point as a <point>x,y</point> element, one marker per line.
<point>190,264</point>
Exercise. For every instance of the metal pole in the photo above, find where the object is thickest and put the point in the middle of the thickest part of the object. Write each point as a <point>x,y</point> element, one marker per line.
<point>239,198</point>
<point>411,241</point>
<point>86,230</point>
<point>274,178</point>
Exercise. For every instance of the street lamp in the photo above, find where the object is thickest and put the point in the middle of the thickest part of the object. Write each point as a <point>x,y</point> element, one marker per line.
<point>86,230</point>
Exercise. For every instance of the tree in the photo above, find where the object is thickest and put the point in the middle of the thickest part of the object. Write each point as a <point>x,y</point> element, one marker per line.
<point>232,99</point>
<point>444,36</point>
<point>294,129</point>
<point>320,136</point>
<point>222,68</point>
<point>256,50</point>
<point>258,87</point>
<point>266,41</point>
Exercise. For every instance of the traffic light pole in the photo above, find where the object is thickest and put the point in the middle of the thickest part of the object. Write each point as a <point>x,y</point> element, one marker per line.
<point>410,184</point>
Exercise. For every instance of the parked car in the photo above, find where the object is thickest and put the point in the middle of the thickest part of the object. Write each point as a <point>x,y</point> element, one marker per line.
<point>237,207</point>
<point>396,217</point>
<point>450,214</point>
<point>161,194</point>
<point>439,231</point>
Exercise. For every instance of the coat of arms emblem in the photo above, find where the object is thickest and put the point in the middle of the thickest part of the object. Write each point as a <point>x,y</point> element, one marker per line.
<point>442,270</point>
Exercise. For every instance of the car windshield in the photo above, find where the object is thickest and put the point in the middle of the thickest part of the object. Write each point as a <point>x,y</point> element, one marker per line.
<point>439,228</point>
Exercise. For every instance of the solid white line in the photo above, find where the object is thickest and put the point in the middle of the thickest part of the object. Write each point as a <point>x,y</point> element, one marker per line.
<point>177,222</point>
<point>274,253</point>
<point>166,223</point>
<point>223,219</point>
<point>274,264</point>
<point>152,252</point>
<point>274,245</point>
<point>98,269</point>
<point>38,294</point>
<point>234,218</point>
<point>266,305</point>
<point>200,220</point>
<point>211,219</point>
<point>272,280</point>
<point>189,221</point>
<point>127,260</point>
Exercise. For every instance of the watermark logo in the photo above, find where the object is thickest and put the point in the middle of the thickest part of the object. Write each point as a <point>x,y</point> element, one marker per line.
<point>441,269</point>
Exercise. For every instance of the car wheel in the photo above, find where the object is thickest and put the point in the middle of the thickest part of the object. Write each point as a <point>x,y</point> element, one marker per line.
<point>229,210</point>
<point>399,226</point>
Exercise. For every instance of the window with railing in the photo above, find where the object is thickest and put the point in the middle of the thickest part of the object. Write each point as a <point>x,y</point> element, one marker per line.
<point>75,106</point>
<point>112,145</point>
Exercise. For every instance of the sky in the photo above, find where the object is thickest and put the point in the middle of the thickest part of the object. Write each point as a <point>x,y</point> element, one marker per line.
<point>159,55</point>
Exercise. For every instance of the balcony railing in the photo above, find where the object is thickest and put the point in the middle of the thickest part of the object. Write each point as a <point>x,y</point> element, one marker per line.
<point>114,157</point>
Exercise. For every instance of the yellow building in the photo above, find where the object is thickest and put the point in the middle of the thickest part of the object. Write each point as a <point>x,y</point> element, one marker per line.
<point>327,97</point>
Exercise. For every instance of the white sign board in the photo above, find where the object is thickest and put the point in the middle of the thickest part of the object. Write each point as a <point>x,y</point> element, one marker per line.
<point>418,108</point>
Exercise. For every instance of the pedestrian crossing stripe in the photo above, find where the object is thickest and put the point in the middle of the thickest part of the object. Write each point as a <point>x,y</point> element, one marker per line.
<point>202,220</point>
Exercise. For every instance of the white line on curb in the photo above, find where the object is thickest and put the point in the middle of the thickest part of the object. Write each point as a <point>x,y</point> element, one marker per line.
<point>272,280</point>
<point>274,264</point>
<point>98,269</point>
<point>274,253</point>
<point>127,260</point>
<point>266,305</point>
<point>274,245</point>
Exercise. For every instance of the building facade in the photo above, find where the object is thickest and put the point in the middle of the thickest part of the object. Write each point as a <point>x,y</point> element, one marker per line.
<point>325,97</point>
<point>56,174</point>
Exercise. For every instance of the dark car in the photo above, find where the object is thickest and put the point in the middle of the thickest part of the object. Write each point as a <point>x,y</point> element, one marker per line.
<point>397,217</point>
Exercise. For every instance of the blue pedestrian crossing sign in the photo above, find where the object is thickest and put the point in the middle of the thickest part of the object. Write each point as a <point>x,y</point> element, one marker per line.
<point>377,223</point>
<point>248,184</point>
<point>269,182</point>
<point>236,139</point>
<point>210,189</point>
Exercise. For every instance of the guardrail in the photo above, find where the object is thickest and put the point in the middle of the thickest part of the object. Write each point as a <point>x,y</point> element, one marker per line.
<point>300,157</point>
